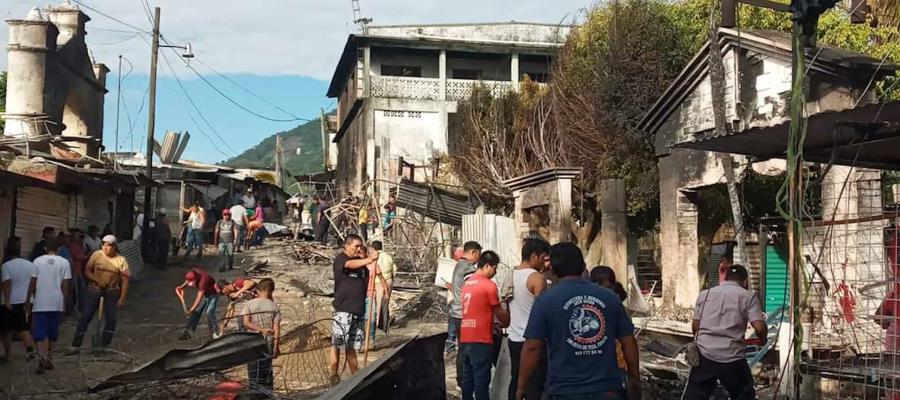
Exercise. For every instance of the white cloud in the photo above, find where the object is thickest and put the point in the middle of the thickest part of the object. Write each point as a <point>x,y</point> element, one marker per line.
<point>277,37</point>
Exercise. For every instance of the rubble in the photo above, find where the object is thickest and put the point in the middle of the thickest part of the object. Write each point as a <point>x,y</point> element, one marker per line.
<point>310,252</point>
<point>429,305</point>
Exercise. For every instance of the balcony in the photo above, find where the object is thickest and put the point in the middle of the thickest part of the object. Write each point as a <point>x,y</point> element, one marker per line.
<point>401,87</point>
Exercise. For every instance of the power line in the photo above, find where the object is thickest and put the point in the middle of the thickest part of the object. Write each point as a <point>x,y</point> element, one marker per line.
<point>79,2</point>
<point>197,109</point>
<point>116,42</point>
<point>239,105</point>
<point>233,82</point>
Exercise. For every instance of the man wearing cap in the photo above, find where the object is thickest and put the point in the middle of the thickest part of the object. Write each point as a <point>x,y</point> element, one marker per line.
<point>237,292</point>
<point>106,274</point>
<point>720,320</point>
<point>224,236</point>
<point>205,303</point>
<point>249,199</point>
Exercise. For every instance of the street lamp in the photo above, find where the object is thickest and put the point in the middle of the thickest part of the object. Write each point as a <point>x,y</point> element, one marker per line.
<point>188,53</point>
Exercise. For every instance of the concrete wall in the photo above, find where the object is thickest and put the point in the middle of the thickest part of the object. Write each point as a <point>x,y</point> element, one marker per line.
<point>513,32</point>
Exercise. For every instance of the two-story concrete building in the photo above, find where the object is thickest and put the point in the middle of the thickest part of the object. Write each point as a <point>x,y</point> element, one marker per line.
<point>396,85</point>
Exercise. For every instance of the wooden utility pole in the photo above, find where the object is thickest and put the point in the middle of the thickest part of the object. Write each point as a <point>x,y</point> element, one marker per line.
<point>151,126</point>
<point>279,161</point>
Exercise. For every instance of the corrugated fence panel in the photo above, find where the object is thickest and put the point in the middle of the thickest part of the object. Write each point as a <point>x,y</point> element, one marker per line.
<point>497,233</point>
<point>132,253</point>
<point>35,209</point>
<point>437,204</point>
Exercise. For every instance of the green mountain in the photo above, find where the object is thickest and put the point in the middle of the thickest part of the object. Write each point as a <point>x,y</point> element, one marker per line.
<point>309,159</point>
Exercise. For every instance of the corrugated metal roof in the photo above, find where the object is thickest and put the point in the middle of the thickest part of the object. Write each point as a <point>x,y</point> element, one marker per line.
<point>867,136</point>
<point>435,203</point>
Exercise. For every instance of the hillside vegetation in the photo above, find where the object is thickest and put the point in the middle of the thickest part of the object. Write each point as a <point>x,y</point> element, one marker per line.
<point>306,137</point>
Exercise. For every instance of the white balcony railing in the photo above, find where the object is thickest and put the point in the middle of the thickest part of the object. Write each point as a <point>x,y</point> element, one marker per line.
<point>401,87</point>
<point>461,89</point>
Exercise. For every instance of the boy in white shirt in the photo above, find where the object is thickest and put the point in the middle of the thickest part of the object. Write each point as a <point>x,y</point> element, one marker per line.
<point>52,286</point>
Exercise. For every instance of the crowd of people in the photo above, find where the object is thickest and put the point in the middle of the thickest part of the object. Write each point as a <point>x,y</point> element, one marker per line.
<point>64,273</point>
<point>569,335</point>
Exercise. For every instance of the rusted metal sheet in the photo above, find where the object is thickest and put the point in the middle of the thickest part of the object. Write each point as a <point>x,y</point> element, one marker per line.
<point>37,208</point>
<point>435,203</point>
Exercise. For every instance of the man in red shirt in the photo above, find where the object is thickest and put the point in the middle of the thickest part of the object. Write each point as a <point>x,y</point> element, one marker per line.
<point>480,304</point>
<point>205,303</point>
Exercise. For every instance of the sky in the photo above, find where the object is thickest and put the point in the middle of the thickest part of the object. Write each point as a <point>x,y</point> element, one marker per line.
<point>273,57</point>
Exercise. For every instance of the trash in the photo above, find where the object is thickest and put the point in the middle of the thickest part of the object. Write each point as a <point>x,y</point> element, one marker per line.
<point>428,306</point>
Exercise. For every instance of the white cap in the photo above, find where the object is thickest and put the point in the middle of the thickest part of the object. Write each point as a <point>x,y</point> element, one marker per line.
<point>109,239</point>
<point>162,211</point>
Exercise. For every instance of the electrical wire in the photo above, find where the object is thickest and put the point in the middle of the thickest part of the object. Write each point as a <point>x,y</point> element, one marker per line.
<point>233,82</point>
<point>197,109</point>
<point>116,42</point>
<point>81,3</point>
<point>239,105</point>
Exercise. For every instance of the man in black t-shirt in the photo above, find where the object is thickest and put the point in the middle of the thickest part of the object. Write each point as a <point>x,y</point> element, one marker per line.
<point>350,280</point>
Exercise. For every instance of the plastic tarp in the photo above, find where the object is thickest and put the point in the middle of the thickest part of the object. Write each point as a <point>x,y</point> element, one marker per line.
<point>220,354</point>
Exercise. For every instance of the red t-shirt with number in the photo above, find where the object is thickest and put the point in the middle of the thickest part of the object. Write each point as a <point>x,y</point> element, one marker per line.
<point>479,296</point>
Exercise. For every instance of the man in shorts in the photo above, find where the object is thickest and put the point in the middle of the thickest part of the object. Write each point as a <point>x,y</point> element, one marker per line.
<point>350,281</point>
<point>52,285</point>
<point>18,279</point>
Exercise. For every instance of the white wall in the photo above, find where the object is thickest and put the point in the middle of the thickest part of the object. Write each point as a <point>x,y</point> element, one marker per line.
<point>414,135</point>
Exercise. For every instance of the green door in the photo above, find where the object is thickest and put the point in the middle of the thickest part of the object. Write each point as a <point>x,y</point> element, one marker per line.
<point>776,280</point>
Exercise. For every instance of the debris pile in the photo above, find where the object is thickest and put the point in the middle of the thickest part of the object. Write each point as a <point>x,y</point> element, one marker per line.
<point>429,305</point>
<point>311,252</point>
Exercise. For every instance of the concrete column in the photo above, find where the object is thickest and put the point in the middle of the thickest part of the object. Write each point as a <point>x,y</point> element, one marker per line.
<point>678,236</point>
<point>614,230</point>
<point>367,71</point>
<point>442,73</point>
<point>561,216</point>
<point>29,42</point>
<point>514,71</point>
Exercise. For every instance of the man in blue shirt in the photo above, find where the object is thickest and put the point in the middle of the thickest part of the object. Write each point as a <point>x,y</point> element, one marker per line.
<point>578,323</point>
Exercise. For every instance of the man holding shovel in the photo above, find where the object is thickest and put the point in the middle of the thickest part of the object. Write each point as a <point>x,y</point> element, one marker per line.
<point>205,303</point>
<point>106,274</point>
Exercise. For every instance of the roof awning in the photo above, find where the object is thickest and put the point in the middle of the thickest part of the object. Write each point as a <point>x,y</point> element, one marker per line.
<point>867,136</point>
<point>212,192</point>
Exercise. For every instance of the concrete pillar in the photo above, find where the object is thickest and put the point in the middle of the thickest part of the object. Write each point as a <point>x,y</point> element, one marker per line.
<point>69,20</point>
<point>367,71</point>
<point>678,236</point>
<point>442,74</point>
<point>29,42</point>
<point>514,71</point>
<point>614,230</point>
<point>561,212</point>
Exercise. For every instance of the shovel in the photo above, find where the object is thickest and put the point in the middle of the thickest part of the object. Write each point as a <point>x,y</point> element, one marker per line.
<point>97,340</point>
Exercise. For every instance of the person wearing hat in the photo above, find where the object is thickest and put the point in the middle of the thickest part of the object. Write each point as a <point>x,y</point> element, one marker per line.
<point>224,236</point>
<point>249,200</point>
<point>720,321</point>
<point>106,274</point>
<point>205,303</point>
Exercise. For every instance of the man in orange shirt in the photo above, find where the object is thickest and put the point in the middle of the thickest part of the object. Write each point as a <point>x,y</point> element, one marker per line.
<point>480,304</point>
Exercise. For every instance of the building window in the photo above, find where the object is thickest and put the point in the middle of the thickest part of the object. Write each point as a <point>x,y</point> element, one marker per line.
<point>471,74</point>
<point>401,70</point>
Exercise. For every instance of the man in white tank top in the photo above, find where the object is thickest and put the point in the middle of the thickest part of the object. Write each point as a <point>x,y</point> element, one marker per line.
<point>528,283</point>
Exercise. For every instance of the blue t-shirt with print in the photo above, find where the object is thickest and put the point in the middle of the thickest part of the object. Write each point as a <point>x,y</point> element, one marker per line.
<point>580,323</point>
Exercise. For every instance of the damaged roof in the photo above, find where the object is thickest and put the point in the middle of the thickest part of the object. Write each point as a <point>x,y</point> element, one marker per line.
<point>824,59</point>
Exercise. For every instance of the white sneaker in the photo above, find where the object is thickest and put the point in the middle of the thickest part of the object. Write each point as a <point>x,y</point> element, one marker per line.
<point>216,335</point>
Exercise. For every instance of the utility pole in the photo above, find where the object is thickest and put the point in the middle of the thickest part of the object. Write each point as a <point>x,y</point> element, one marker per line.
<point>151,126</point>
<point>279,154</point>
<point>118,104</point>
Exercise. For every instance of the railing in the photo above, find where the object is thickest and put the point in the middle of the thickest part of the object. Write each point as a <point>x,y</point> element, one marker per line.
<point>401,87</point>
<point>461,89</point>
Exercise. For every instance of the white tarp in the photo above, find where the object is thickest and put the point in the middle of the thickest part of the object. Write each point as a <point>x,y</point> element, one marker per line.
<point>211,192</point>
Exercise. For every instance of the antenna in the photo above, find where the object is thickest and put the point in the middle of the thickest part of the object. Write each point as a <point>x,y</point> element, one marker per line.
<point>358,19</point>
